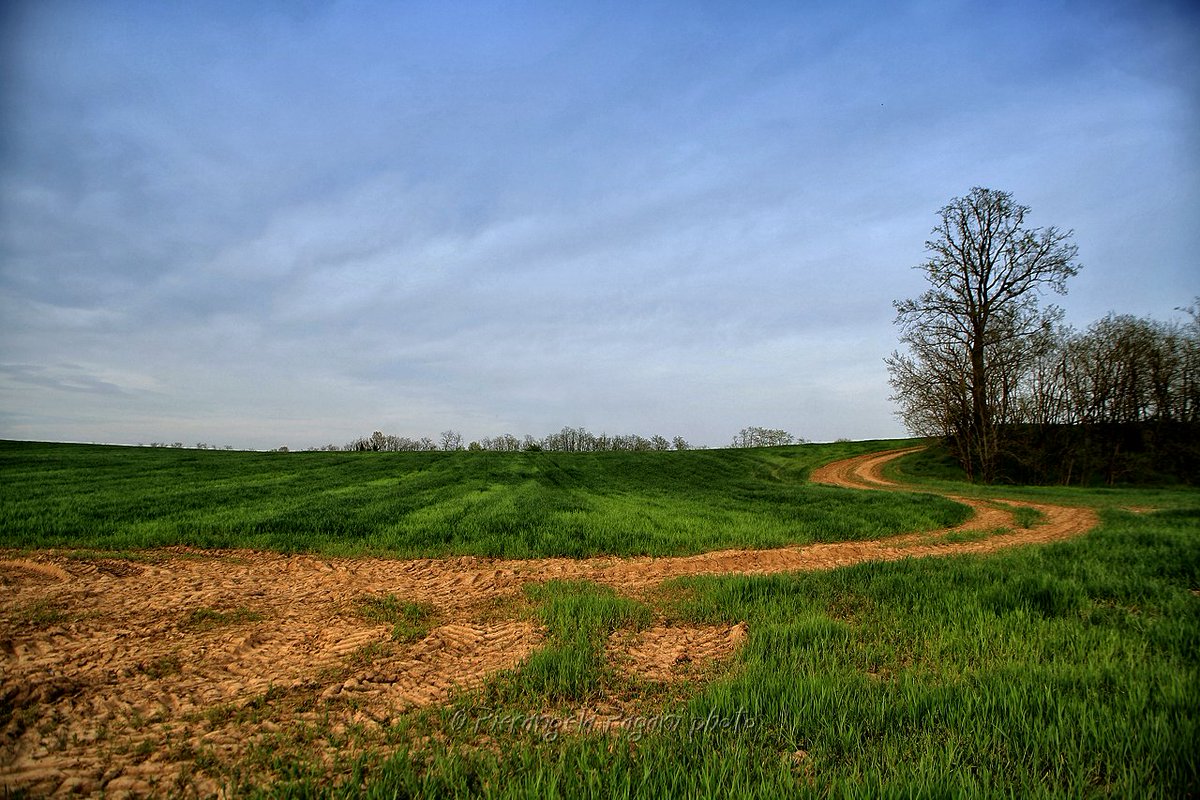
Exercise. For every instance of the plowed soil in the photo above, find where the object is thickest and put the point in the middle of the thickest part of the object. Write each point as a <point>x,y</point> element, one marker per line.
<point>122,677</point>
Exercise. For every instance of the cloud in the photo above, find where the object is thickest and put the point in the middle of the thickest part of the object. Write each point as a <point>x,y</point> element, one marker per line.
<point>60,377</point>
<point>301,225</point>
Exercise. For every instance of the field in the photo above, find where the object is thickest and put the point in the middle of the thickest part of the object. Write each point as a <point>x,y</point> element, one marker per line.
<point>708,623</point>
<point>512,505</point>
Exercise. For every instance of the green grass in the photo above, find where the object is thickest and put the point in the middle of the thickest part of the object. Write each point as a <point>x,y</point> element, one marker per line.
<point>1071,670</point>
<point>936,470</point>
<point>162,667</point>
<point>578,617</point>
<point>205,619</point>
<point>1068,670</point>
<point>516,505</point>
<point>410,621</point>
<point>1026,517</point>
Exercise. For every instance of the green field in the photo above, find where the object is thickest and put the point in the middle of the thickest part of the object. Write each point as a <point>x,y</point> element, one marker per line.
<point>1071,670</point>
<point>517,505</point>
<point>1067,670</point>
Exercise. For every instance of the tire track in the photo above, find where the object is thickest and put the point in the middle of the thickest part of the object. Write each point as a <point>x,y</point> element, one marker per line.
<point>669,652</point>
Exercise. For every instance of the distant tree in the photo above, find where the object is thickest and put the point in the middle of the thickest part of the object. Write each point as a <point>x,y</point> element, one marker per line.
<point>679,443</point>
<point>754,436</point>
<point>1116,402</point>
<point>504,443</point>
<point>978,327</point>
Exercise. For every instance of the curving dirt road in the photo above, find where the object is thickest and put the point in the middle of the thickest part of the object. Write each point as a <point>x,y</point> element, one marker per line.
<point>1058,522</point>
<point>120,677</point>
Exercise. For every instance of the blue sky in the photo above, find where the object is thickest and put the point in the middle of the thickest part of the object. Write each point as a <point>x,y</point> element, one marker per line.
<point>294,223</point>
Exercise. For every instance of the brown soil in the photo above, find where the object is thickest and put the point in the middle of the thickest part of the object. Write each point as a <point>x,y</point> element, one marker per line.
<point>121,677</point>
<point>668,652</point>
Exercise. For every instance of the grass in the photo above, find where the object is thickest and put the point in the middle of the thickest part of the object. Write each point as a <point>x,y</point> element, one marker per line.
<point>1066,670</point>
<point>39,614</point>
<point>162,667</point>
<point>205,619</point>
<point>578,617</point>
<point>410,622</point>
<point>1071,670</point>
<point>937,471</point>
<point>960,537</point>
<point>519,505</point>
<point>1026,517</point>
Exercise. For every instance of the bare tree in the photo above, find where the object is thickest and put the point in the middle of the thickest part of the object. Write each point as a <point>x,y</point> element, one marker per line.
<point>506,443</point>
<point>970,334</point>
<point>451,440</point>
<point>755,436</point>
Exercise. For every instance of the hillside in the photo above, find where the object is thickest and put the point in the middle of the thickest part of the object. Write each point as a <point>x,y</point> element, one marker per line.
<point>517,505</point>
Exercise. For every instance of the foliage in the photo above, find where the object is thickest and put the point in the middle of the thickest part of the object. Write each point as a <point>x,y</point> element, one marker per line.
<point>1020,399</point>
<point>567,440</point>
<point>1119,402</point>
<point>937,469</point>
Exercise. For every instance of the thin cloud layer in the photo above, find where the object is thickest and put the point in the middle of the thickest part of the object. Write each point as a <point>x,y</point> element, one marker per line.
<point>262,225</point>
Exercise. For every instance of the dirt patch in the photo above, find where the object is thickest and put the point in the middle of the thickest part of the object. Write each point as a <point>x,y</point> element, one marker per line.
<point>666,653</point>
<point>455,656</point>
<point>119,691</point>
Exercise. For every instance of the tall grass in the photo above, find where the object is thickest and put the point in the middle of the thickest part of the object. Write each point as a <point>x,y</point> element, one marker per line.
<point>432,504</point>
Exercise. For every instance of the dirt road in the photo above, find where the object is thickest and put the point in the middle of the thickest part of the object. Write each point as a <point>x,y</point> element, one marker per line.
<point>126,677</point>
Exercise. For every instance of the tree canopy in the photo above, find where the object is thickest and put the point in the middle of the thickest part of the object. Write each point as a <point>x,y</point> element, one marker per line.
<point>979,326</point>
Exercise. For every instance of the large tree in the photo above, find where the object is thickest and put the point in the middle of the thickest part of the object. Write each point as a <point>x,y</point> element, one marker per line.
<point>978,328</point>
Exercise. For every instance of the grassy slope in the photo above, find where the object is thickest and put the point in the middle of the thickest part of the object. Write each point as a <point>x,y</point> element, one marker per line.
<point>431,504</point>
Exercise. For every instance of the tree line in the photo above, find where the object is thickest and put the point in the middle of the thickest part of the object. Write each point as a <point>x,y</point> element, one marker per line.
<point>764,437</point>
<point>1119,402</point>
<point>567,440</point>
<point>1014,393</point>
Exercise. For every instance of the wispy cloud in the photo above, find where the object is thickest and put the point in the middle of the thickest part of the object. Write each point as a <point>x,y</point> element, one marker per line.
<point>295,223</point>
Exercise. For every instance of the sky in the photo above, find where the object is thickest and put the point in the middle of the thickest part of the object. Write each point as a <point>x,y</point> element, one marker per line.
<point>294,223</point>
